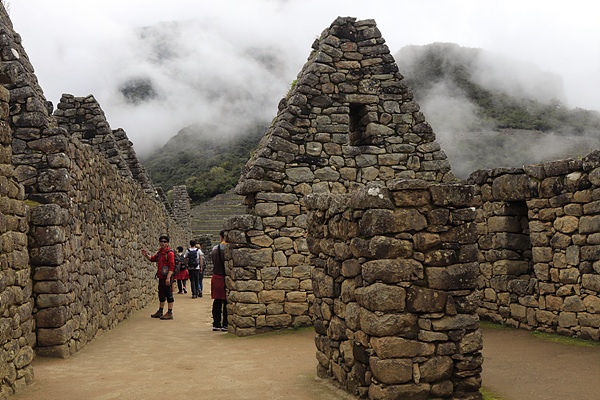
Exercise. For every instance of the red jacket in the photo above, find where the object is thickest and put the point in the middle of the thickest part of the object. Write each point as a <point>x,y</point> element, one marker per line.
<point>164,256</point>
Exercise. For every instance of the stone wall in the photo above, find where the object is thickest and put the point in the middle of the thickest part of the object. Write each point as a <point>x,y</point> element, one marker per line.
<point>539,243</point>
<point>348,120</point>
<point>70,259</point>
<point>394,279</point>
<point>17,337</point>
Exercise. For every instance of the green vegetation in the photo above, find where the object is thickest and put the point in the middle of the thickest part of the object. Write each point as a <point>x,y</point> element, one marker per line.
<point>549,337</point>
<point>487,395</point>
<point>571,341</point>
<point>460,68</point>
<point>209,162</point>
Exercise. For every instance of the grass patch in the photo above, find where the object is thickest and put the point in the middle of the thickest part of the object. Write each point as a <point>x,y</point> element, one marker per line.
<point>571,341</point>
<point>492,325</point>
<point>487,395</point>
<point>549,337</point>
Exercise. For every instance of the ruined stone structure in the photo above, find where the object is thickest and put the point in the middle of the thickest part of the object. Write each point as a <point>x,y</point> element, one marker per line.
<point>356,225</point>
<point>349,120</point>
<point>17,336</point>
<point>386,264</point>
<point>84,119</point>
<point>70,261</point>
<point>394,279</point>
<point>539,230</point>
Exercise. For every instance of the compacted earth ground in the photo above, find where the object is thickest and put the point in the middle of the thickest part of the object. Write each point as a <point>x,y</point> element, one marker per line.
<point>152,359</point>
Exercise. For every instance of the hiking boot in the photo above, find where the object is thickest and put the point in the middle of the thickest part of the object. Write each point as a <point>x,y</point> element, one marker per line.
<point>168,315</point>
<point>157,314</point>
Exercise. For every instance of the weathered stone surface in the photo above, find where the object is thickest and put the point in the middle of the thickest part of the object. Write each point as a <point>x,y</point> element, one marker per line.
<point>453,277</point>
<point>396,347</point>
<point>386,324</point>
<point>392,271</point>
<point>436,369</point>
<point>391,371</point>
<point>379,222</point>
<point>420,299</point>
<point>381,297</point>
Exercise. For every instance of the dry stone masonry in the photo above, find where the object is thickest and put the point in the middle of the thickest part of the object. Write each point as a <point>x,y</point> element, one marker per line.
<point>539,241</point>
<point>386,265</point>
<point>348,120</point>
<point>70,260</point>
<point>394,279</point>
<point>355,225</point>
<point>17,337</point>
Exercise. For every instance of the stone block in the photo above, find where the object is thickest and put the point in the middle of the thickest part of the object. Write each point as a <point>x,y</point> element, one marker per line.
<point>408,391</point>
<point>397,347</point>
<point>379,221</point>
<point>424,300</point>
<point>278,321</point>
<point>249,310</point>
<point>271,296</point>
<point>436,369</point>
<point>377,324</point>
<point>453,277</point>
<point>381,297</point>
<point>392,270</point>
<point>391,371</point>
<point>454,322</point>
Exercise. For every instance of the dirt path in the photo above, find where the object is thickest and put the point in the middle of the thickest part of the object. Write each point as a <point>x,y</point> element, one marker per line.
<point>150,359</point>
<point>519,366</point>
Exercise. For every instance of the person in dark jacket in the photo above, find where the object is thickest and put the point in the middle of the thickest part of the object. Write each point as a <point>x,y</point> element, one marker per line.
<point>217,286</point>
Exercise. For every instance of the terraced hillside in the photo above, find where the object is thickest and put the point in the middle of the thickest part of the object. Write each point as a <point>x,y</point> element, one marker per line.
<point>208,217</point>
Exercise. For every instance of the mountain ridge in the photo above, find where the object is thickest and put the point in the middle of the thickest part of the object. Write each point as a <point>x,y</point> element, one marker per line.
<point>480,121</point>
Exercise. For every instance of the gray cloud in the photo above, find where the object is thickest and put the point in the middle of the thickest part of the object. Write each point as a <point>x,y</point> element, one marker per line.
<point>252,50</point>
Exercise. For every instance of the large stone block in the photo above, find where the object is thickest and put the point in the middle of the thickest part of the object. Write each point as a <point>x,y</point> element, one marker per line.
<point>453,277</point>
<point>391,371</point>
<point>410,391</point>
<point>380,222</point>
<point>392,270</point>
<point>454,322</point>
<point>381,297</point>
<point>436,369</point>
<point>425,300</point>
<point>252,257</point>
<point>397,347</point>
<point>378,324</point>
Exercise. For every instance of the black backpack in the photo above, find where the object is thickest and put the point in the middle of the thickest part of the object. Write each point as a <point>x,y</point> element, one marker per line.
<point>192,259</point>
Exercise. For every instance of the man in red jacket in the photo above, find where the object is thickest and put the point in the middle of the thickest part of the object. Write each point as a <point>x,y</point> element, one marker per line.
<point>165,258</point>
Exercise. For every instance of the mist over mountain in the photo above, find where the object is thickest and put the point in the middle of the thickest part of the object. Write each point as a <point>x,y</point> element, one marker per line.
<point>487,111</point>
<point>189,73</point>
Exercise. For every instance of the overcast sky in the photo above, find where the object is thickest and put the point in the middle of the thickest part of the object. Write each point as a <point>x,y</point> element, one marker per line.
<point>86,47</point>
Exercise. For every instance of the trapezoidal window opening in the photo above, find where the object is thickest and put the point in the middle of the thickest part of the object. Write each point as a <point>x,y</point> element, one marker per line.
<point>357,125</point>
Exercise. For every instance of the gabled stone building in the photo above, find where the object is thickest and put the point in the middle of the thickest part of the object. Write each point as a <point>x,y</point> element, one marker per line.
<point>356,227</point>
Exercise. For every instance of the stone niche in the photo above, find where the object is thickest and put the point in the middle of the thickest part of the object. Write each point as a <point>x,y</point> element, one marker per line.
<point>394,281</point>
